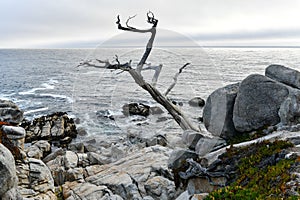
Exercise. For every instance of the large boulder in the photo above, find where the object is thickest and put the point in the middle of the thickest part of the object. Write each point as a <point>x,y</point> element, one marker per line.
<point>10,112</point>
<point>8,177</point>
<point>218,111</point>
<point>284,75</point>
<point>258,102</point>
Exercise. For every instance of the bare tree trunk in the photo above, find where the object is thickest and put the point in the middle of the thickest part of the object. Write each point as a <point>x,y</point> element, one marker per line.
<point>176,113</point>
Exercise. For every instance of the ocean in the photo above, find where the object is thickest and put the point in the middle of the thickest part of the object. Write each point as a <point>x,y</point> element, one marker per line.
<point>43,81</point>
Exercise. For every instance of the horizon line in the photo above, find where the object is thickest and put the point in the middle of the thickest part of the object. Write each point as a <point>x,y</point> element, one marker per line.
<point>159,46</point>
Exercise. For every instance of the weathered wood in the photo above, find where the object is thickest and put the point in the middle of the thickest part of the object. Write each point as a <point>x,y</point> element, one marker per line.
<point>176,113</point>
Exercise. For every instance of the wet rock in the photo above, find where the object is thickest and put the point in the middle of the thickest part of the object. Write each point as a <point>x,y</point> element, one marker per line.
<point>284,75</point>
<point>197,102</point>
<point>218,112</point>
<point>8,178</point>
<point>136,109</point>
<point>56,128</point>
<point>10,112</point>
<point>258,102</point>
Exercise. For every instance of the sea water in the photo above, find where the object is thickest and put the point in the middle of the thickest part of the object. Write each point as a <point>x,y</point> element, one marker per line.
<point>43,81</point>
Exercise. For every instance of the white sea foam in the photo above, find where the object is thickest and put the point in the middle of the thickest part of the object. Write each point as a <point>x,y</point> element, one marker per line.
<point>49,85</point>
<point>35,110</point>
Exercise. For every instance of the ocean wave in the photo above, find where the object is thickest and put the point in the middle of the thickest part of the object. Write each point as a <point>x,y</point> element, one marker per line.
<point>49,85</point>
<point>35,110</point>
<point>56,96</point>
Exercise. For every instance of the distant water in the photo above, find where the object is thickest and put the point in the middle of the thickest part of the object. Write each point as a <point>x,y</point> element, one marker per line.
<point>43,81</point>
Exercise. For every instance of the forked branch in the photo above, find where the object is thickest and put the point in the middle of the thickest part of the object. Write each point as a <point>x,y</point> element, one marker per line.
<point>176,113</point>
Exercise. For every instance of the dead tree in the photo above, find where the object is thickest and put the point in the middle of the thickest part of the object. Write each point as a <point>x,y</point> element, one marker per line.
<point>135,73</point>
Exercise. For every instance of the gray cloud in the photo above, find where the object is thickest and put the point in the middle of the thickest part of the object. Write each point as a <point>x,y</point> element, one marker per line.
<point>32,23</point>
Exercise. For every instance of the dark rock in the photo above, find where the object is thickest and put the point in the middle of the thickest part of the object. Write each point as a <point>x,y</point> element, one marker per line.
<point>56,128</point>
<point>10,112</point>
<point>197,102</point>
<point>218,111</point>
<point>136,109</point>
<point>258,102</point>
<point>284,75</point>
<point>177,163</point>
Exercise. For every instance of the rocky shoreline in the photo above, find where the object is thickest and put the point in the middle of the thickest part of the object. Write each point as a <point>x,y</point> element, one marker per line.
<point>40,159</point>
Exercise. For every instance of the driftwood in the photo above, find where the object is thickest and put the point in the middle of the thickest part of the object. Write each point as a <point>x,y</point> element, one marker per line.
<point>196,170</point>
<point>176,113</point>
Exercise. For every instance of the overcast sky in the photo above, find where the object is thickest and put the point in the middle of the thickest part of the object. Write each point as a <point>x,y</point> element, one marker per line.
<point>86,23</point>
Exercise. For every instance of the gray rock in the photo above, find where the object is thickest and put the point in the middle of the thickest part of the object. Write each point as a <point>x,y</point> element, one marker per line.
<point>191,138</point>
<point>87,191</point>
<point>38,149</point>
<point>10,112</point>
<point>258,102</point>
<point>70,160</point>
<point>76,147</point>
<point>95,158</point>
<point>218,112</point>
<point>53,155</point>
<point>127,176</point>
<point>289,111</point>
<point>40,176</point>
<point>184,196</point>
<point>8,177</point>
<point>159,187</point>
<point>284,75</point>
<point>156,110</point>
<point>16,135</point>
<point>201,185</point>
<point>197,102</point>
<point>206,145</point>
<point>177,160</point>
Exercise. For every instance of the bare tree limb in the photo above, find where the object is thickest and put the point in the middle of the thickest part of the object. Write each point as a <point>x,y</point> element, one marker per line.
<point>176,113</point>
<point>151,20</point>
<point>157,70</point>
<point>175,79</point>
<point>129,18</point>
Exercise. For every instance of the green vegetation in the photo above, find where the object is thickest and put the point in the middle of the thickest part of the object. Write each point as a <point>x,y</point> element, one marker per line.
<point>262,172</point>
